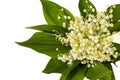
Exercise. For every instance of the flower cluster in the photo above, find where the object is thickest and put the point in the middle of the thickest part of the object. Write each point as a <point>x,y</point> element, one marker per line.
<point>90,40</point>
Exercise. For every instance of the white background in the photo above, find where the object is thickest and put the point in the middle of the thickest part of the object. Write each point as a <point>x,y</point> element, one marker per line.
<point>20,63</point>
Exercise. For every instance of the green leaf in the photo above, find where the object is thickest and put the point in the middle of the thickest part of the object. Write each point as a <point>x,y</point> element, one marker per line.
<point>45,43</point>
<point>117,46</point>
<point>109,66</point>
<point>97,72</point>
<point>88,6</point>
<point>55,66</point>
<point>116,27</point>
<point>107,77</point>
<point>78,73</point>
<point>116,17</point>
<point>115,13</point>
<point>66,73</point>
<point>50,29</point>
<point>51,12</point>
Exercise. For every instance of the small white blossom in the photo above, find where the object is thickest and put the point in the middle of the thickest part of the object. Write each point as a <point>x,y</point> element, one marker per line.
<point>111,10</point>
<point>57,49</point>
<point>86,1</point>
<point>118,20</point>
<point>69,17</point>
<point>59,17</point>
<point>111,16</point>
<point>65,17</point>
<point>91,7</point>
<point>114,6</point>
<point>107,17</point>
<point>62,9</point>
<point>93,10</point>
<point>111,25</point>
<point>64,24</point>
<point>84,10</point>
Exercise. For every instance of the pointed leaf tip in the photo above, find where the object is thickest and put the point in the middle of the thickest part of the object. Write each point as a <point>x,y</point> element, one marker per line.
<point>55,66</point>
<point>52,29</point>
<point>19,43</point>
<point>86,7</point>
<point>45,43</point>
<point>52,11</point>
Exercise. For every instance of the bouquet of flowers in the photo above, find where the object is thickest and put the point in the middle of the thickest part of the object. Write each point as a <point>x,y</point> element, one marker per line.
<point>81,46</point>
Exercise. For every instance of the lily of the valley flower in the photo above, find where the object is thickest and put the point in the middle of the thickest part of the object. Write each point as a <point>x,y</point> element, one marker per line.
<point>89,39</point>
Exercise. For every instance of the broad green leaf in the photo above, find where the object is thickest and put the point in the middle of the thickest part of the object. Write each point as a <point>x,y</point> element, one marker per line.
<point>45,43</point>
<point>86,7</point>
<point>116,17</point>
<point>55,66</point>
<point>115,13</point>
<point>50,29</point>
<point>116,27</point>
<point>51,12</point>
<point>97,72</point>
<point>78,73</point>
<point>109,66</point>
<point>66,73</point>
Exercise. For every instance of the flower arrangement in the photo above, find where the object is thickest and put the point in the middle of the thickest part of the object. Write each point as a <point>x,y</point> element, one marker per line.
<point>81,46</point>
